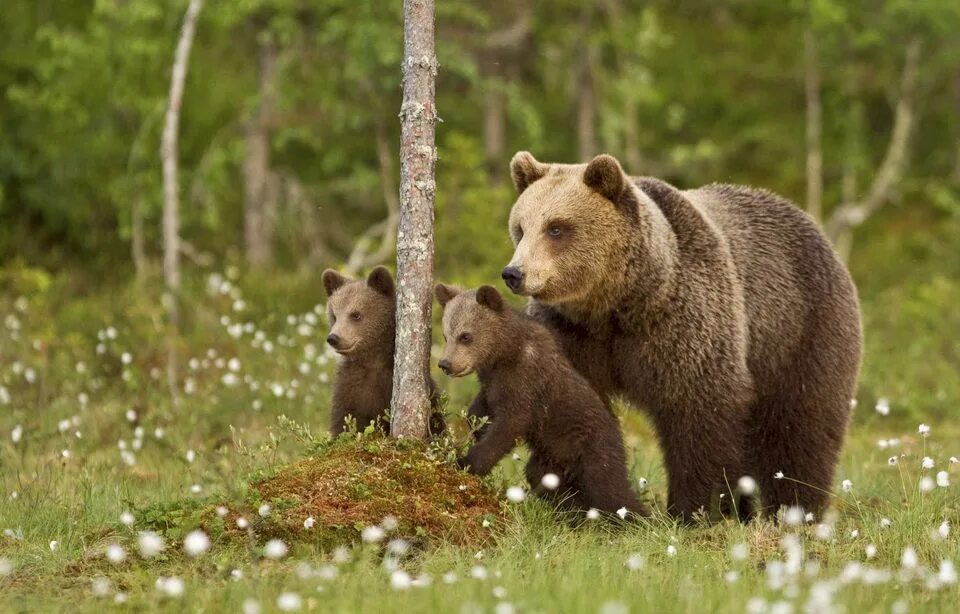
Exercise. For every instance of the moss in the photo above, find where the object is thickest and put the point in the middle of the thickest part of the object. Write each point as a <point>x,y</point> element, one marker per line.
<point>350,483</point>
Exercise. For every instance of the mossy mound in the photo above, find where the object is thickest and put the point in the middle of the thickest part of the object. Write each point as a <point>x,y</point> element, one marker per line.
<point>347,485</point>
<point>357,482</point>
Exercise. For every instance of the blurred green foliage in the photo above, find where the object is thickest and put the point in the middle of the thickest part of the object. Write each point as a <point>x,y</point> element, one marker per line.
<point>713,88</point>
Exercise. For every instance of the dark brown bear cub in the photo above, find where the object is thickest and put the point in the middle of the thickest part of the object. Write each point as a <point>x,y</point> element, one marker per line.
<point>531,392</point>
<point>362,330</point>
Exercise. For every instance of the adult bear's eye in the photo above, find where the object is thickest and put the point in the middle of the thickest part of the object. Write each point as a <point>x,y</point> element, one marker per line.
<point>355,316</point>
<point>555,231</point>
<point>465,338</point>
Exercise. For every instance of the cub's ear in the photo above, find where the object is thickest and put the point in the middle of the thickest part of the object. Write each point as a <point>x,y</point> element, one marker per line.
<point>490,298</point>
<point>445,293</point>
<point>332,281</point>
<point>524,169</point>
<point>381,280</point>
<point>605,175</point>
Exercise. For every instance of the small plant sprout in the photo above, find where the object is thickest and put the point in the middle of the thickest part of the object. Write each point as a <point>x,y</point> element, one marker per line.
<point>275,549</point>
<point>747,485</point>
<point>924,430</point>
<point>516,494</point>
<point>883,406</point>
<point>196,543</point>
<point>550,481</point>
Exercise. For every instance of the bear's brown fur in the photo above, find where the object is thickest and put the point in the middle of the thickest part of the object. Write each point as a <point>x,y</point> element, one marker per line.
<point>362,330</point>
<point>722,310</point>
<point>532,392</point>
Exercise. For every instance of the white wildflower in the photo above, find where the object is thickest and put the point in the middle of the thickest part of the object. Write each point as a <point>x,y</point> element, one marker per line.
<point>516,494</point>
<point>150,544</point>
<point>927,462</point>
<point>264,510</point>
<point>372,534</point>
<point>943,479</point>
<point>196,543</point>
<point>275,549</point>
<point>127,519</point>
<point>116,554</point>
<point>635,562</point>
<point>927,484</point>
<point>846,486</point>
<point>671,550</point>
<point>309,522</point>
<point>400,580</point>
<point>883,406</point>
<point>289,602</point>
<point>550,481</point>
<point>924,430</point>
<point>778,475</point>
<point>747,485</point>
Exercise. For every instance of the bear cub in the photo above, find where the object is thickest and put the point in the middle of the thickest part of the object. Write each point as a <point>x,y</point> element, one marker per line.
<point>362,330</point>
<point>531,392</point>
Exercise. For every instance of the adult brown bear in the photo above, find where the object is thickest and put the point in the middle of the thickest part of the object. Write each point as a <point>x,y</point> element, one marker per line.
<point>722,310</point>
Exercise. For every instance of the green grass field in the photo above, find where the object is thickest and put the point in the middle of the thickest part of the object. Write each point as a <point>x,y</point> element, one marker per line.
<point>89,433</point>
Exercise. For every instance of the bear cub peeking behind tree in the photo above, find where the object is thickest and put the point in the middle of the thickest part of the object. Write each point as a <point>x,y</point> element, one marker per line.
<point>531,392</point>
<point>362,330</point>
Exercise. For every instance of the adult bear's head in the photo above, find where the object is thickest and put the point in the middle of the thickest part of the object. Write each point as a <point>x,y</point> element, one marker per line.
<point>571,228</point>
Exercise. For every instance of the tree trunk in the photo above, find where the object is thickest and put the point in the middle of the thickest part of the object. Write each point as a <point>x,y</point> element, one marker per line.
<point>494,128</point>
<point>956,99</point>
<point>814,125</point>
<point>418,116</point>
<point>361,257</point>
<point>257,219</point>
<point>586,92</point>
<point>171,204</point>
<point>137,247</point>
<point>850,215</point>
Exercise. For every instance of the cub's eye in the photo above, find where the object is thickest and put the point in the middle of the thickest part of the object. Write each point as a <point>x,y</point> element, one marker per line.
<point>333,319</point>
<point>518,232</point>
<point>555,231</point>
<point>465,338</point>
<point>355,316</point>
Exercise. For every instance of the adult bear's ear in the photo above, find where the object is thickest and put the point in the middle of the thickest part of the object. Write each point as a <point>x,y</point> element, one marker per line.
<point>444,293</point>
<point>332,281</point>
<point>381,280</point>
<point>605,176</point>
<point>489,297</point>
<point>524,169</point>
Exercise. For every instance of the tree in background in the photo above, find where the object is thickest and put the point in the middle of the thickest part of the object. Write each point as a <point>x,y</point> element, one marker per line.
<point>418,115</point>
<point>171,198</point>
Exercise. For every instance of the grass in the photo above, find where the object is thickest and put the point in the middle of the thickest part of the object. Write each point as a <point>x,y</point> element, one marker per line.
<point>243,436</point>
